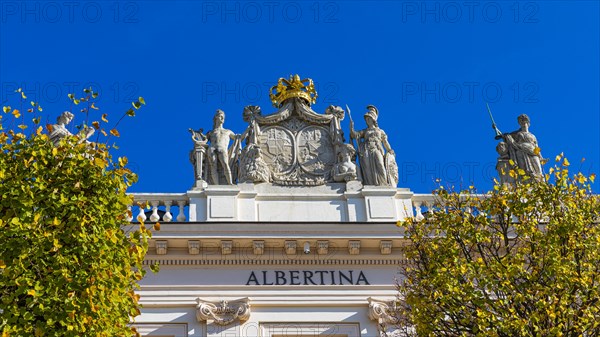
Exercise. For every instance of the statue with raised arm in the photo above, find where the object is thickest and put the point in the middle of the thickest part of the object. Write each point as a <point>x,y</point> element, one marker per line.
<point>376,157</point>
<point>523,148</point>
<point>221,158</point>
<point>60,131</point>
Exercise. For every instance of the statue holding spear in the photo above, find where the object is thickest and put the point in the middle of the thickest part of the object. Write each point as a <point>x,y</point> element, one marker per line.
<point>377,159</point>
<point>521,147</point>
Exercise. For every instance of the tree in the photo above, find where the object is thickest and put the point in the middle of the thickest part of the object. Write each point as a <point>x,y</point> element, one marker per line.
<point>66,266</point>
<point>523,260</point>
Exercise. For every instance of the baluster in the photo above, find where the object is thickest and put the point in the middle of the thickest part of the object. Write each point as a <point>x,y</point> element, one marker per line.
<point>181,215</point>
<point>429,205</point>
<point>154,217</point>
<point>167,217</point>
<point>417,205</point>
<point>141,216</point>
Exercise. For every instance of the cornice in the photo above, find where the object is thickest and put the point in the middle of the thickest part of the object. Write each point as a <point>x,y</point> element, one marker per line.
<point>276,229</point>
<point>272,262</point>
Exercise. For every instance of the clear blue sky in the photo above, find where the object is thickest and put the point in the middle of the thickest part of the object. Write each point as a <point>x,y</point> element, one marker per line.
<point>429,66</point>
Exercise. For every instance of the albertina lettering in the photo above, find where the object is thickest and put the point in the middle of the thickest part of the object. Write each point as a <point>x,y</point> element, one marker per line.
<point>306,277</point>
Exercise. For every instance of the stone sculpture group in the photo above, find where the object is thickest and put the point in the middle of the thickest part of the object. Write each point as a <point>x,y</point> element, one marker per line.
<point>299,147</point>
<point>293,146</point>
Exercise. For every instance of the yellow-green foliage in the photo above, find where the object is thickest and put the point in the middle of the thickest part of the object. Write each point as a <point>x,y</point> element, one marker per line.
<point>523,260</point>
<point>66,267</point>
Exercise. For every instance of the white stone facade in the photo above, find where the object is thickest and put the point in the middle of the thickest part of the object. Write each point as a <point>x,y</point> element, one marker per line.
<point>268,203</point>
<point>265,260</point>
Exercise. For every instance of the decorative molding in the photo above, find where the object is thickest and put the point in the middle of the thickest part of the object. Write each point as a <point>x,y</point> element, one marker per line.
<point>226,247</point>
<point>274,262</point>
<point>223,312</point>
<point>382,311</point>
<point>290,247</point>
<point>258,247</point>
<point>322,247</point>
<point>354,247</point>
<point>386,247</point>
<point>161,247</point>
<point>194,247</point>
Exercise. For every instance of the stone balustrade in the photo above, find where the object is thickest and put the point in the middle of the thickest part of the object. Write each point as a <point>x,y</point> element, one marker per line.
<point>421,201</point>
<point>160,206</point>
<point>425,203</point>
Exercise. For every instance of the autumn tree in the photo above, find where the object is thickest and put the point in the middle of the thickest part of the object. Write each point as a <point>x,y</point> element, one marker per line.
<point>66,266</point>
<point>523,260</point>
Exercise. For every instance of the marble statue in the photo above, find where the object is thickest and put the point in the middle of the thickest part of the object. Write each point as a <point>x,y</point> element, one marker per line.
<point>253,168</point>
<point>198,154</point>
<point>523,148</point>
<point>221,158</point>
<point>378,167</point>
<point>59,130</point>
<point>345,169</point>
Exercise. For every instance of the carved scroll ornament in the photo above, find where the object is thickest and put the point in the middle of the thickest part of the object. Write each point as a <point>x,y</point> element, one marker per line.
<point>382,311</point>
<point>223,312</point>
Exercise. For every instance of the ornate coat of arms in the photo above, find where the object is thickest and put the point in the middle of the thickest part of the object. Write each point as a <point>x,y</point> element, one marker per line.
<point>297,144</point>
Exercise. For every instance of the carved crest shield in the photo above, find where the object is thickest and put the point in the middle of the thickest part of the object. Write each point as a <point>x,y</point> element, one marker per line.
<point>297,145</point>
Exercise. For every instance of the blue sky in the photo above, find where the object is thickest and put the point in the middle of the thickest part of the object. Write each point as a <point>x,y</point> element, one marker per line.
<point>429,66</point>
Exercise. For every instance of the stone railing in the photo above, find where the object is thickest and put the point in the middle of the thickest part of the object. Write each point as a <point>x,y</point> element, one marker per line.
<point>168,207</point>
<point>421,201</point>
<point>425,203</point>
<point>159,207</point>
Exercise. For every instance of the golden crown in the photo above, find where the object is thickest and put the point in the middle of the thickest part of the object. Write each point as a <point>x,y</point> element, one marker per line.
<point>294,87</point>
